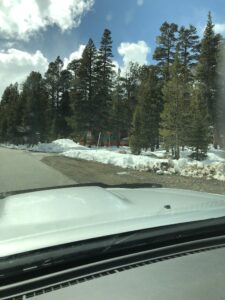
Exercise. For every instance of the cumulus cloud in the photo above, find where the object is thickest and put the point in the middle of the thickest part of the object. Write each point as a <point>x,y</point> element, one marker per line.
<point>134,52</point>
<point>15,66</point>
<point>220,28</point>
<point>74,55</point>
<point>116,66</point>
<point>22,18</point>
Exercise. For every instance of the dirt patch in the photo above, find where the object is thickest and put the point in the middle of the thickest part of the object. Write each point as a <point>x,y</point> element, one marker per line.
<point>83,171</point>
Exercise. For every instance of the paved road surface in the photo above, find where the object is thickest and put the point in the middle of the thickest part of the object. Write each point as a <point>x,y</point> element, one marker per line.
<point>21,170</point>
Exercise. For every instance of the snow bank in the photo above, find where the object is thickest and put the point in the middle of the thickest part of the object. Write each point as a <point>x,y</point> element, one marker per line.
<point>57,146</point>
<point>211,168</point>
<point>138,162</point>
<point>206,169</point>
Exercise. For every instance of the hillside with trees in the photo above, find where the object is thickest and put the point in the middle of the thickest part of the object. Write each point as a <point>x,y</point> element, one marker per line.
<point>174,103</point>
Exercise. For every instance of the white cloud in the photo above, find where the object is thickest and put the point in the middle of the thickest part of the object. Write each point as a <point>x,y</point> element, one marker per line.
<point>15,66</point>
<point>74,55</point>
<point>134,52</point>
<point>219,28</point>
<point>22,18</point>
<point>140,2</point>
<point>116,66</point>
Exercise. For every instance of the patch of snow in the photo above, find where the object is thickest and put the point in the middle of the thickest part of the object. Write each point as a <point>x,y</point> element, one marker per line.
<point>122,173</point>
<point>157,153</point>
<point>159,172</point>
<point>57,146</point>
<point>213,167</point>
<point>138,162</point>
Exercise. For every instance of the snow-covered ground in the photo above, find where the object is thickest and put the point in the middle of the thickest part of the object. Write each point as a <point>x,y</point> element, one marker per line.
<point>211,168</point>
<point>57,146</point>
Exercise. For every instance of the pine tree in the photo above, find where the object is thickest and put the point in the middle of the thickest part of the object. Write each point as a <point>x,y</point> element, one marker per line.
<point>199,130</point>
<point>9,114</point>
<point>150,102</point>
<point>145,126</point>
<point>166,49</point>
<point>64,109</point>
<point>172,115</point>
<point>135,139</point>
<point>104,84</point>
<point>220,107</point>
<point>52,82</point>
<point>119,110</point>
<point>189,46</point>
<point>33,100</point>
<point>83,92</point>
<point>207,68</point>
<point>74,66</point>
<point>130,85</point>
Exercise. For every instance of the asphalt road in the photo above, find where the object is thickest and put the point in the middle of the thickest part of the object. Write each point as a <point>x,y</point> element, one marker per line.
<point>21,170</point>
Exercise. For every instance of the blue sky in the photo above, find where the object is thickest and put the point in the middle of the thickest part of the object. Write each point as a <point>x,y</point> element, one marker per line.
<point>128,21</point>
<point>35,32</point>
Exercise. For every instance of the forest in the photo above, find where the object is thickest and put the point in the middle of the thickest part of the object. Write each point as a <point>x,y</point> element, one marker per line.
<point>176,102</point>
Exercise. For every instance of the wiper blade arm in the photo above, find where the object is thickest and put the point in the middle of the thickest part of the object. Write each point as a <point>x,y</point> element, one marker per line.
<point>98,184</point>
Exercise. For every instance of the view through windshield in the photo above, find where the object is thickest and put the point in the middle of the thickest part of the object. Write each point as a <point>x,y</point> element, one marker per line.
<point>113,92</point>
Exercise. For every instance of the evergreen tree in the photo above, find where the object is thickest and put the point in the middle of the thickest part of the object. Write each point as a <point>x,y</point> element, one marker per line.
<point>130,85</point>
<point>74,66</point>
<point>119,110</point>
<point>104,84</point>
<point>83,92</point>
<point>33,101</point>
<point>150,102</point>
<point>145,125</point>
<point>52,81</point>
<point>199,131</point>
<point>207,68</point>
<point>172,115</point>
<point>188,46</point>
<point>64,109</point>
<point>9,114</point>
<point>135,139</point>
<point>166,49</point>
<point>220,107</point>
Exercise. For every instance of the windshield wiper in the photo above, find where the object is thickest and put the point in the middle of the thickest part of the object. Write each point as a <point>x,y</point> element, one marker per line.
<point>102,185</point>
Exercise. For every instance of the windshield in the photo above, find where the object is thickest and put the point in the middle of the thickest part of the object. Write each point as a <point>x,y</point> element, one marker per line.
<point>112,92</point>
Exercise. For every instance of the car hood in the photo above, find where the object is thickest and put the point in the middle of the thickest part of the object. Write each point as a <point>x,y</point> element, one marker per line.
<point>43,219</point>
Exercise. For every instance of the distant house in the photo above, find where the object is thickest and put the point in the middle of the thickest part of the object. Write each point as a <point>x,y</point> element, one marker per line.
<point>107,139</point>
<point>124,141</point>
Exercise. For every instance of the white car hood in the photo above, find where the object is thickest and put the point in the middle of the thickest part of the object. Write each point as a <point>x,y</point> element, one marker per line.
<point>42,219</point>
